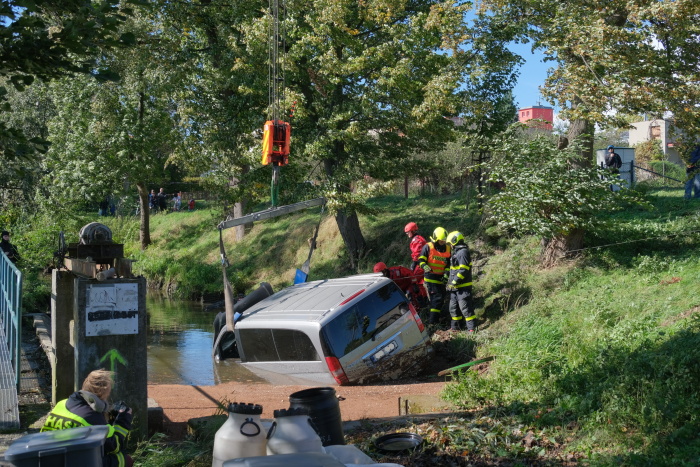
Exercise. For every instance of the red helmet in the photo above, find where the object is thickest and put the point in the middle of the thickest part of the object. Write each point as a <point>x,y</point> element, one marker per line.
<point>411,227</point>
<point>379,267</point>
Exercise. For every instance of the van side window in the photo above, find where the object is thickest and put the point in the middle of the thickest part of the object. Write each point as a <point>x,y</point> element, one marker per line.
<point>275,345</point>
<point>365,319</point>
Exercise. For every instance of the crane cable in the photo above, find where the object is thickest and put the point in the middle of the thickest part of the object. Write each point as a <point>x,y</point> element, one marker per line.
<point>276,87</point>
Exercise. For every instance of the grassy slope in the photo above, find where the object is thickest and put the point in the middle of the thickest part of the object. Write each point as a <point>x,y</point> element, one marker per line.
<point>598,357</point>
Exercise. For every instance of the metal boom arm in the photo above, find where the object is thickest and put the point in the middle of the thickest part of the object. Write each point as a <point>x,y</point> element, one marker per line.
<point>270,213</point>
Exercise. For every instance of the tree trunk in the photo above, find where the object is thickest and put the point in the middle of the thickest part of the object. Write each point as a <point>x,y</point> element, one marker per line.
<point>559,247</point>
<point>145,228</point>
<point>578,128</point>
<point>239,208</point>
<point>349,227</point>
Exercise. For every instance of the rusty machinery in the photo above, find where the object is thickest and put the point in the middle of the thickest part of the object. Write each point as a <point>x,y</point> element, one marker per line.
<point>96,255</point>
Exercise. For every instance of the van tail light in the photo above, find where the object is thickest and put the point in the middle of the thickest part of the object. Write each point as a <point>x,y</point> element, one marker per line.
<point>419,321</point>
<point>337,370</point>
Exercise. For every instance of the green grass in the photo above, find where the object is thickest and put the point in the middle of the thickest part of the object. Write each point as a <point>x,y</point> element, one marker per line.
<point>596,358</point>
<point>605,352</point>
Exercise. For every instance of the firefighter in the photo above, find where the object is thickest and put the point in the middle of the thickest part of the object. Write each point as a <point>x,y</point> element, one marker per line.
<point>88,407</point>
<point>407,282</point>
<point>403,277</point>
<point>459,283</point>
<point>435,261</point>
<point>417,242</point>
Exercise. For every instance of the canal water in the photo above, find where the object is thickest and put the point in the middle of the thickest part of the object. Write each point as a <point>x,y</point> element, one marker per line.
<point>180,339</point>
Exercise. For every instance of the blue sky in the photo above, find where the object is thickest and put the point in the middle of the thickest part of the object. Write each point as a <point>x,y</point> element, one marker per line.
<point>532,75</point>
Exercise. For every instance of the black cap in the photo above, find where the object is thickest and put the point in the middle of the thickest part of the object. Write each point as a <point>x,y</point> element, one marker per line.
<point>4,232</point>
<point>246,409</point>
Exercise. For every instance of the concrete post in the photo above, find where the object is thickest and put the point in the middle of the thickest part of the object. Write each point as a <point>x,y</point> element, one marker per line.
<point>110,333</point>
<point>62,382</point>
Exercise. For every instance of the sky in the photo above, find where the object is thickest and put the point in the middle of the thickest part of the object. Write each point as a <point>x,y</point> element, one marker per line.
<point>532,75</point>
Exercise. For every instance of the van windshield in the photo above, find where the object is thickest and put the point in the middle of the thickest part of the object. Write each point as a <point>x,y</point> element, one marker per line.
<point>365,319</point>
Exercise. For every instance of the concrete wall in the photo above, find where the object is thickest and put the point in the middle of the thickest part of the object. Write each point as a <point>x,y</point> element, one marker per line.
<point>645,131</point>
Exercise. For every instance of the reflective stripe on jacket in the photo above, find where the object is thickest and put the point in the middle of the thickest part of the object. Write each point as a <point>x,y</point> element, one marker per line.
<point>460,267</point>
<point>437,260</point>
<point>62,418</point>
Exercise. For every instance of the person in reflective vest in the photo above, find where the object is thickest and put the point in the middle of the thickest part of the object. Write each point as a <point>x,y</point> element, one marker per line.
<point>87,407</point>
<point>435,261</point>
<point>459,283</point>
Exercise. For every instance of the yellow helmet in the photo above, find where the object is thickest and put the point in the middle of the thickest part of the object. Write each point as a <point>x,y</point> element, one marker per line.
<point>439,234</point>
<point>453,238</point>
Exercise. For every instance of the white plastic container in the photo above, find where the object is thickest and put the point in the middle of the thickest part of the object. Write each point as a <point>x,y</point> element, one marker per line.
<point>242,435</point>
<point>292,432</point>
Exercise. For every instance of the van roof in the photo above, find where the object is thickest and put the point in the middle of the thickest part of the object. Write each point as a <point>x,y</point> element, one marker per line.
<point>309,301</point>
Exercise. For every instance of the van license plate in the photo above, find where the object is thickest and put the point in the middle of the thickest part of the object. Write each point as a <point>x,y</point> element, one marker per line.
<point>384,351</point>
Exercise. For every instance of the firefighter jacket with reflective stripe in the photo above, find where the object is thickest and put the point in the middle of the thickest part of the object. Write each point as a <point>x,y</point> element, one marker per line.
<point>75,412</point>
<point>438,258</point>
<point>403,277</point>
<point>460,267</point>
<point>416,245</point>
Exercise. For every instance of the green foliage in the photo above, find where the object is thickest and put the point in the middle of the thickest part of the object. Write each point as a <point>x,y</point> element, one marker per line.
<point>607,347</point>
<point>544,192</point>
<point>609,62</point>
<point>47,40</point>
<point>648,151</point>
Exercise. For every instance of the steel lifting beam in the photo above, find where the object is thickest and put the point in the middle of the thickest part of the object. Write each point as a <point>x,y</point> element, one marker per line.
<point>270,213</point>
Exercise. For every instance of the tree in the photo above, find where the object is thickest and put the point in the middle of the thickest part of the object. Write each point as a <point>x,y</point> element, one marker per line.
<point>222,101</point>
<point>612,59</point>
<point>544,194</point>
<point>47,40</point>
<point>111,136</point>
<point>373,82</point>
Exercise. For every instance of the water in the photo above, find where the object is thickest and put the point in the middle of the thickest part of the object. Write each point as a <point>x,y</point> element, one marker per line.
<point>180,339</point>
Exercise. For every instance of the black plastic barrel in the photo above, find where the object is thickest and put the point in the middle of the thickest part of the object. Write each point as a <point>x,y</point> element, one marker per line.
<point>324,411</point>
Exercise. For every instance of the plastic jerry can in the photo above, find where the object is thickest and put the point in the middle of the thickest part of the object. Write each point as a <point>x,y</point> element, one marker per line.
<point>241,435</point>
<point>292,432</point>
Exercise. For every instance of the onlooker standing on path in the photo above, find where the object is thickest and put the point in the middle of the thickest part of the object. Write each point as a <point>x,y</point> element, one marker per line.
<point>613,161</point>
<point>459,283</point>
<point>177,201</point>
<point>162,201</point>
<point>692,171</point>
<point>8,248</point>
<point>87,407</point>
<point>153,201</point>
<point>435,261</point>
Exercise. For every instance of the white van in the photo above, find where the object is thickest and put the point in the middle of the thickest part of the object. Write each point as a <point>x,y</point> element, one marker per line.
<point>337,331</point>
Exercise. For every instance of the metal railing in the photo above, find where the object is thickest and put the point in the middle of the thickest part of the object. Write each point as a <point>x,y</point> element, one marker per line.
<point>11,310</point>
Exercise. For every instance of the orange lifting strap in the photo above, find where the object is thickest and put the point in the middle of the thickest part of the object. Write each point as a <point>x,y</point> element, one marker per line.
<point>276,142</point>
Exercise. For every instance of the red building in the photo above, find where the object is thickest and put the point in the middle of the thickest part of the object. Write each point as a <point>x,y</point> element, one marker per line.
<point>538,112</point>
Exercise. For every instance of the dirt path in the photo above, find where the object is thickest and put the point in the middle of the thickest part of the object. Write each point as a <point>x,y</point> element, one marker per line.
<point>181,403</point>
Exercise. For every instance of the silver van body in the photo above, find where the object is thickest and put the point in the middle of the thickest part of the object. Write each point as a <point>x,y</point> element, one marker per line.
<point>337,331</point>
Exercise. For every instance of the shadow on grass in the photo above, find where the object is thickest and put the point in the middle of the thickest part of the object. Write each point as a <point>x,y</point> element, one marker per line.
<point>646,401</point>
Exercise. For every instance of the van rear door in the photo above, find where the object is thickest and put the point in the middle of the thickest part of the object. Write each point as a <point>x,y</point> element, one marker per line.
<point>375,338</point>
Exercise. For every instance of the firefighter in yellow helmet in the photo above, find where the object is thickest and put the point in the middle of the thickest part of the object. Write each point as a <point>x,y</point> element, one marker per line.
<point>459,283</point>
<point>435,261</point>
